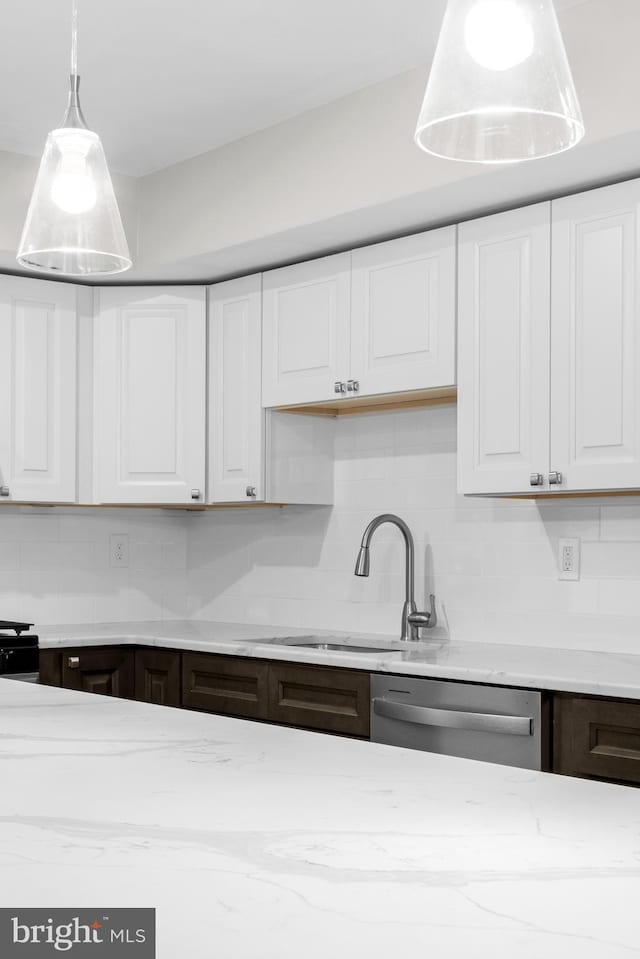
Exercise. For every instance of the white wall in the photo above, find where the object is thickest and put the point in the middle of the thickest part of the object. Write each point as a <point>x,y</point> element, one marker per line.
<point>492,563</point>
<point>54,565</point>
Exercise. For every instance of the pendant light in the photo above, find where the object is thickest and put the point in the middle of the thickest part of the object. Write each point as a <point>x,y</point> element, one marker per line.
<point>73,225</point>
<point>500,88</point>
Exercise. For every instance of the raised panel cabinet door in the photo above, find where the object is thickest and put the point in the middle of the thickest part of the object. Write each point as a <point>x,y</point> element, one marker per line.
<point>236,417</point>
<point>108,671</point>
<point>595,339</point>
<point>225,684</point>
<point>306,320</point>
<point>596,738</point>
<point>38,390</point>
<point>503,352</point>
<point>150,395</point>
<point>158,676</point>
<point>313,697</point>
<point>403,313</point>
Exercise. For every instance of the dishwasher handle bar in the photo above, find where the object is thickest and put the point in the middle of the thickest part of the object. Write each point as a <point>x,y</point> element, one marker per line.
<point>454,719</point>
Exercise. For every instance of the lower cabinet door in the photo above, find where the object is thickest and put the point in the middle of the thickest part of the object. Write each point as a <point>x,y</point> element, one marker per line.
<point>108,671</point>
<point>225,684</point>
<point>158,677</point>
<point>332,700</point>
<point>50,667</point>
<point>596,738</point>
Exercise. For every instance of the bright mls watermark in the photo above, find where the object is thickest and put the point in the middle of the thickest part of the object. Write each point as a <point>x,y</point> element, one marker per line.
<point>129,933</point>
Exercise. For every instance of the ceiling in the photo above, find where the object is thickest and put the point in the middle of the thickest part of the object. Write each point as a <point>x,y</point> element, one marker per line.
<point>164,80</point>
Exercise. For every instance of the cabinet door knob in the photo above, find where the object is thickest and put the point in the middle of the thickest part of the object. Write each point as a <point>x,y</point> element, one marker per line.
<point>536,479</point>
<point>555,478</point>
<point>195,494</point>
<point>353,386</point>
<point>251,491</point>
<point>4,490</point>
<point>73,662</point>
<point>339,387</point>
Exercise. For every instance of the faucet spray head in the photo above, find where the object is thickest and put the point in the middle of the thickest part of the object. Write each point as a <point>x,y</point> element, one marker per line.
<point>362,562</point>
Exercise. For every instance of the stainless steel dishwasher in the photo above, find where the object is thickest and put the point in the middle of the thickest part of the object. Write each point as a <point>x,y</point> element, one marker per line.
<point>491,723</point>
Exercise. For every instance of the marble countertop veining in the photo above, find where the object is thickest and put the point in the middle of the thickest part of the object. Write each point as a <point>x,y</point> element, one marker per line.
<point>533,667</point>
<point>259,841</point>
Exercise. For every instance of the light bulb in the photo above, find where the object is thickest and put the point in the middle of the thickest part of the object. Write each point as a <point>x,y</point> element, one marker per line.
<point>497,34</point>
<point>73,189</point>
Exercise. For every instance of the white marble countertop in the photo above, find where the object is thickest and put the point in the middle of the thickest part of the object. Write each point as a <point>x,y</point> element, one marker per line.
<point>604,674</point>
<point>260,842</point>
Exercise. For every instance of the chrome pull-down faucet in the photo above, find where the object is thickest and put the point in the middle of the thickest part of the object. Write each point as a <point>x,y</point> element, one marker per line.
<point>412,620</point>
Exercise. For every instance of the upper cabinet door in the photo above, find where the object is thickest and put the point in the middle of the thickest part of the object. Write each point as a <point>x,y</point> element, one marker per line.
<point>150,395</point>
<point>595,369</point>
<point>38,323</point>
<point>403,313</point>
<point>503,352</point>
<point>306,315</point>
<point>236,417</point>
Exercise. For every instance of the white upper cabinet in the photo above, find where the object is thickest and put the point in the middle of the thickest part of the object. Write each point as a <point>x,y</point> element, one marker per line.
<point>595,349</point>
<point>403,313</point>
<point>236,417</point>
<point>150,395</point>
<point>503,352</point>
<point>38,322</point>
<point>306,316</point>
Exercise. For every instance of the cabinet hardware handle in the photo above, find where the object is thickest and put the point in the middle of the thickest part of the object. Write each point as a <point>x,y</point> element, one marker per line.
<point>353,386</point>
<point>454,719</point>
<point>4,490</point>
<point>555,478</point>
<point>73,662</point>
<point>251,491</point>
<point>339,387</point>
<point>195,494</point>
<point>536,479</point>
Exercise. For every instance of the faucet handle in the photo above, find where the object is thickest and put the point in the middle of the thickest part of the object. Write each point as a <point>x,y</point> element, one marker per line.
<point>425,620</point>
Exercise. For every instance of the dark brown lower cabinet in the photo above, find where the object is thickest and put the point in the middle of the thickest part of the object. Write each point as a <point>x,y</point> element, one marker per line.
<point>225,684</point>
<point>596,738</point>
<point>50,667</point>
<point>107,670</point>
<point>313,697</point>
<point>158,677</point>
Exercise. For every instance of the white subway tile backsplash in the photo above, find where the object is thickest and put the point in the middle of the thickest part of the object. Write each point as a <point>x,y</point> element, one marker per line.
<point>55,565</point>
<point>492,563</point>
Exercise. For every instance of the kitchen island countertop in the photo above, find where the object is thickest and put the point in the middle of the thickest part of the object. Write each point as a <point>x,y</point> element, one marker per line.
<point>258,841</point>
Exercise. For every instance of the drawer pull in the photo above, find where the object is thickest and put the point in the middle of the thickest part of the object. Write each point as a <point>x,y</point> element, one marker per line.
<point>454,719</point>
<point>73,662</point>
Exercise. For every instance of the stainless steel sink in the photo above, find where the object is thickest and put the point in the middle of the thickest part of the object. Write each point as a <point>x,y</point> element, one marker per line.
<point>329,644</point>
<point>344,647</point>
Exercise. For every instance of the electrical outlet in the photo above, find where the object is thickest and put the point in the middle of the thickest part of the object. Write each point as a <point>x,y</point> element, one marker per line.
<point>569,559</point>
<point>119,549</point>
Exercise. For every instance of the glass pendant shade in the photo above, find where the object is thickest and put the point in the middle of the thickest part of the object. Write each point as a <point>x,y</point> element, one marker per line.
<point>73,225</point>
<point>500,88</point>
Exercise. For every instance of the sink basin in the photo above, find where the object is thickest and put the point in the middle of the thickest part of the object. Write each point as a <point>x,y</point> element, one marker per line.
<point>328,644</point>
<point>344,647</point>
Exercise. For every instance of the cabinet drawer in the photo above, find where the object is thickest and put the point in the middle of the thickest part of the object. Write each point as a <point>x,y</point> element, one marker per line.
<point>597,738</point>
<point>224,684</point>
<point>108,671</point>
<point>333,700</point>
<point>158,677</point>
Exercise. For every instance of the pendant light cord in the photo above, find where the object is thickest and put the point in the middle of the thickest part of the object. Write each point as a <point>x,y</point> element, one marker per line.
<point>74,37</point>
